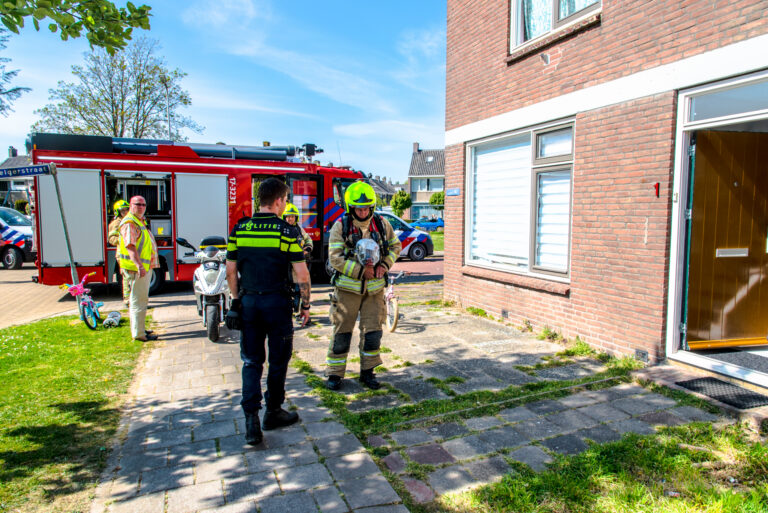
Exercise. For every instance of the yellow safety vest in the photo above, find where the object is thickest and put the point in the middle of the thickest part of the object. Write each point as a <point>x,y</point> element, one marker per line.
<point>143,246</point>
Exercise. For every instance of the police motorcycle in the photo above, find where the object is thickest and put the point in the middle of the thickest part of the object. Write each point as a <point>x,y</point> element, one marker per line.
<point>210,282</point>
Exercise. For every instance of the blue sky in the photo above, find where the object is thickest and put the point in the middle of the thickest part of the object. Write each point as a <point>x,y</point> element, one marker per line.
<point>360,81</point>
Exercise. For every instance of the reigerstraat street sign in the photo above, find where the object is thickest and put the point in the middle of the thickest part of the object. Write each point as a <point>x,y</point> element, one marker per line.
<point>12,172</point>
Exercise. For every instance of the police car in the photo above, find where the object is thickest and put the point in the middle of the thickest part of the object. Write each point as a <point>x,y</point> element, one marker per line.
<point>416,244</point>
<point>16,239</point>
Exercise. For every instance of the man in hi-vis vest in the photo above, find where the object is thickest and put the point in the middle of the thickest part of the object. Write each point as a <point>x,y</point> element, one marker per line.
<point>137,255</point>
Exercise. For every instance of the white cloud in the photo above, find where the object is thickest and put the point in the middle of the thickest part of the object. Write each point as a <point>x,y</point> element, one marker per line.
<point>226,14</point>
<point>213,96</point>
<point>414,44</point>
<point>242,27</point>
<point>424,66</point>
<point>397,131</point>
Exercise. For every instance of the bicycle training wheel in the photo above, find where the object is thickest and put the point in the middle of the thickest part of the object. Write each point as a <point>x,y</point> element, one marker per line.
<point>90,317</point>
<point>392,314</point>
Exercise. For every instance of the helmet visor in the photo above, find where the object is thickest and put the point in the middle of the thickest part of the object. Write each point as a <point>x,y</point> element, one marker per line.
<point>367,252</point>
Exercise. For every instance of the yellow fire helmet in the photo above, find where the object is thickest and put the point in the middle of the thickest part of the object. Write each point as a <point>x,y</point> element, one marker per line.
<point>359,194</point>
<point>119,205</point>
<point>291,210</point>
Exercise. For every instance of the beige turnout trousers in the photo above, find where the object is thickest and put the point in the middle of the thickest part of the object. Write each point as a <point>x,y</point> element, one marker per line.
<point>345,307</point>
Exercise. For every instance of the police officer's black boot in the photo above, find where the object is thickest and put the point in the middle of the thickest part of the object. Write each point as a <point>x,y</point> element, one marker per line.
<point>368,379</point>
<point>253,434</point>
<point>278,418</point>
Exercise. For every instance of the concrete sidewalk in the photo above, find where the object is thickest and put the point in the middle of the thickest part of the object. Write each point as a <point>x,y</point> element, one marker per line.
<point>182,449</point>
<point>182,445</point>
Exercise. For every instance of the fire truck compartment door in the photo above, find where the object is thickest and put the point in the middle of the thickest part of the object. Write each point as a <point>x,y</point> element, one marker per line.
<point>201,209</point>
<point>81,198</point>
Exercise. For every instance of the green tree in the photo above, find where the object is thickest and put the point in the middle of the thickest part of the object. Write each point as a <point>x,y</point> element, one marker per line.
<point>128,94</point>
<point>105,25</point>
<point>437,200</point>
<point>401,201</point>
<point>8,94</point>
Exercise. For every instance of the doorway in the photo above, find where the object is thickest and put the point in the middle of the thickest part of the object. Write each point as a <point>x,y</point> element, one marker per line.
<point>728,262</point>
<point>718,316</point>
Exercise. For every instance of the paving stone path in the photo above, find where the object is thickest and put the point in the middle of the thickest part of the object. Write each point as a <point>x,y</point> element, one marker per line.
<point>181,440</point>
<point>479,450</point>
<point>182,445</point>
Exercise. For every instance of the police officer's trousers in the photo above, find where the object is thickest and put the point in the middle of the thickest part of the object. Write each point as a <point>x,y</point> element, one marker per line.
<point>344,310</point>
<point>267,317</point>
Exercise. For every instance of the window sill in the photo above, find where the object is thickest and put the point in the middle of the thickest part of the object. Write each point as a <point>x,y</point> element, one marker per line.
<point>518,280</point>
<point>553,37</point>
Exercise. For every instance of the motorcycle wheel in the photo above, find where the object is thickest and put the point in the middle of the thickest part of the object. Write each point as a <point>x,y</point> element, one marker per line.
<point>89,316</point>
<point>212,322</point>
<point>393,314</point>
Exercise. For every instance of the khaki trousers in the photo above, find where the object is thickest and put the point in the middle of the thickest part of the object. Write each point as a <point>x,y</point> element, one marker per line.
<point>139,300</point>
<point>344,311</point>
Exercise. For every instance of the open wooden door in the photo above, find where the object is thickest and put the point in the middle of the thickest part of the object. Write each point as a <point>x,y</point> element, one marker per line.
<point>727,296</point>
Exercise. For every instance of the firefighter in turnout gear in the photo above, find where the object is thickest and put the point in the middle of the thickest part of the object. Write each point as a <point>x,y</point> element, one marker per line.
<point>291,216</point>
<point>359,287</point>
<point>120,208</point>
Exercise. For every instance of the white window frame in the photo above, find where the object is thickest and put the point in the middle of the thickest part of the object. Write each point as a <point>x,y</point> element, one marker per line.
<point>516,21</point>
<point>430,185</point>
<point>538,166</point>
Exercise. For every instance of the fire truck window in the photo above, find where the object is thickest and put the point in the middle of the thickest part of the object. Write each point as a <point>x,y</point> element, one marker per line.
<point>157,192</point>
<point>304,196</point>
<point>337,192</point>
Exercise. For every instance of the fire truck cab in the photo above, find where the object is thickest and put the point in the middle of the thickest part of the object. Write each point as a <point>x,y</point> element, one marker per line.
<point>193,191</point>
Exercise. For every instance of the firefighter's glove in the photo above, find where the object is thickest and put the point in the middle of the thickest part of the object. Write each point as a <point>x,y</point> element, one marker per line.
<point>381,270</point>
<point>368,272</point>
<point>233,319</point>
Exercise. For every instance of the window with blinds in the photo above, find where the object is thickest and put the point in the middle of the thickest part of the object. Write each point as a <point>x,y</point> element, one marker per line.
<point>519,208</point>
<point>553,222</point>
<point>501,203</point>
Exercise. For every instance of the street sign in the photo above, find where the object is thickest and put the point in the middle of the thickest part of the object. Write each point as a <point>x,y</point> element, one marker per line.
<point>452,192</point>
<point>12,172</point>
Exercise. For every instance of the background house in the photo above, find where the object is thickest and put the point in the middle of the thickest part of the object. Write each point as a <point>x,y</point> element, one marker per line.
<point>425,177</point>
<point>383,187</point>
<point>590,141</point>
<point>12,189</point>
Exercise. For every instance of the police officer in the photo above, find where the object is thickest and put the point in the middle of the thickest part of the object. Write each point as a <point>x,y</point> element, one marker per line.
<point>263,250</point>
<point>358,288</point>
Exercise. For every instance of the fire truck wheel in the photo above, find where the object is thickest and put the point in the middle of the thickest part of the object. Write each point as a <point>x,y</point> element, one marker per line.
<point>12,258</point>
<point>157,281</point>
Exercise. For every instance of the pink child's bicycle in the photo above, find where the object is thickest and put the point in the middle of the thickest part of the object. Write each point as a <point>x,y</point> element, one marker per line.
<point>89,309</point>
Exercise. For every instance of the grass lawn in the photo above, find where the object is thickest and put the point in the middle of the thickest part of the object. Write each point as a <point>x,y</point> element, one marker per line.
<point>692,468</point>
<point>437,240</point>
<point>61,387</point>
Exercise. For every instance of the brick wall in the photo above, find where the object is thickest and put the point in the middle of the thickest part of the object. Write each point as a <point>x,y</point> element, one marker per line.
<point>632,36</point>
<point>620,236</point>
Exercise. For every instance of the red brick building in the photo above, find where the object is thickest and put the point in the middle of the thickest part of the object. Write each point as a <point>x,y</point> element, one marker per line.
<point>606,172</point>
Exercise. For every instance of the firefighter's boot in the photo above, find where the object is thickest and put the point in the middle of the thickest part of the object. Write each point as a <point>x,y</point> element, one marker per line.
<point>253,435</point>
<point>333,383</point>
<point>278,418</point>
<point>368,379</point>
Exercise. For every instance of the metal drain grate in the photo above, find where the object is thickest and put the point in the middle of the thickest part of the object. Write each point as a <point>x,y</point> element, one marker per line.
<point>725,392</point>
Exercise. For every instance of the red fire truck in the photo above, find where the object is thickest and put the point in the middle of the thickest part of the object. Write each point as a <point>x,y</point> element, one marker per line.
<point>193,191</point>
